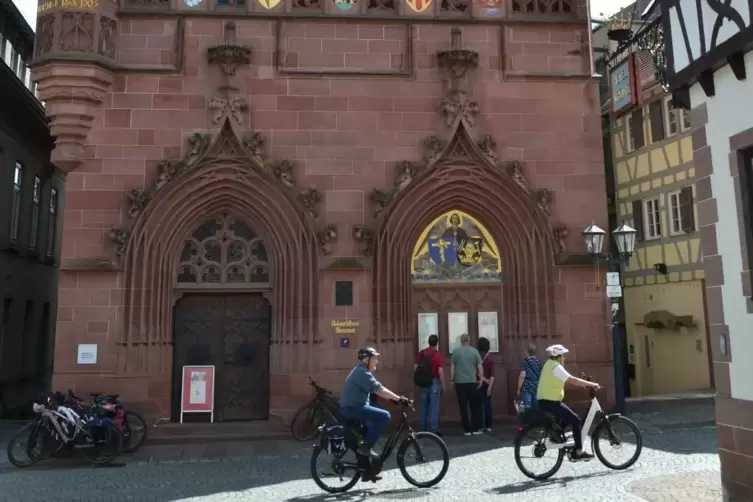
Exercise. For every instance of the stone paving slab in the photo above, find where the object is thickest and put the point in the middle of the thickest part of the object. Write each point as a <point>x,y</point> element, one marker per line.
<point>482,469</point>
<point>704,486</point>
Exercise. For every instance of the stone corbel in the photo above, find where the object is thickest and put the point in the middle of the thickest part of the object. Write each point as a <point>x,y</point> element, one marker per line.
<point>72,93</point>
<point>326,234</point>
<point>366,236</point>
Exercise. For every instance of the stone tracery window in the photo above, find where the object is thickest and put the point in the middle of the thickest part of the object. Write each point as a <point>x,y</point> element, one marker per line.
<point>223,251</point>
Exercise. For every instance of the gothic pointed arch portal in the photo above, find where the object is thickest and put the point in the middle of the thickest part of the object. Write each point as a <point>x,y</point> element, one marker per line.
<point>463,174</point>
<point>223,221</point>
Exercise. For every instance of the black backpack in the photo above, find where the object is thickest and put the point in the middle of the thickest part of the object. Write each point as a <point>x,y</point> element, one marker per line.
<point>423,376</point>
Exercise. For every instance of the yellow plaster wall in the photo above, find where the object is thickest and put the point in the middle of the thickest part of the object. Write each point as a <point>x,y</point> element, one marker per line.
<point>667,361</point>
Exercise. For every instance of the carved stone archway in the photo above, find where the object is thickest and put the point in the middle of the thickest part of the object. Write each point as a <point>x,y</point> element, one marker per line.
<point>223,175</point>
<point>465,174</point>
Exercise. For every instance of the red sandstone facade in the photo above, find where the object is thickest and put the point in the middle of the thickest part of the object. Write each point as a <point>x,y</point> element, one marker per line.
<point>287,133</point>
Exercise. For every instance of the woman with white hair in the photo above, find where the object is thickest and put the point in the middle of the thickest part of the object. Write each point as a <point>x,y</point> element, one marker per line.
<point>551,393</point>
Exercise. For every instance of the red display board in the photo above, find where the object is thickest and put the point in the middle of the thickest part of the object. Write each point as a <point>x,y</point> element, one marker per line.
<point>197,393</point>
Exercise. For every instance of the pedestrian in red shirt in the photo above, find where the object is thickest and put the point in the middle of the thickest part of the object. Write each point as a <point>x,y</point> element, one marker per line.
<point>486,383</point>
<point>429,378</point>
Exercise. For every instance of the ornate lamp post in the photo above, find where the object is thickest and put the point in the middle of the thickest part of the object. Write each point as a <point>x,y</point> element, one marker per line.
<point>624,237</point>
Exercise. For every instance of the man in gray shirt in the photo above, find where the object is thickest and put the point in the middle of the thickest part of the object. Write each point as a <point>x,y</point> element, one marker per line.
<point>466,372</point>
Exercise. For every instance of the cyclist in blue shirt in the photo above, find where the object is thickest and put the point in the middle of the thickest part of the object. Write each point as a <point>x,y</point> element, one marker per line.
<point>355,399</point>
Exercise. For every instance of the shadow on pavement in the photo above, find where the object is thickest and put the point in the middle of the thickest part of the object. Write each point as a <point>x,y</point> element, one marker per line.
<point>552,482</point>
<point>360,495</point>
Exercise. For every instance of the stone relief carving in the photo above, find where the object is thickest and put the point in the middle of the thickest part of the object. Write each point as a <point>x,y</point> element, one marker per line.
<point>119,238</point>
<point>45,35</point>
<point>406,171</point>
<point>488,147</point>
<point>231,104</point>
<point>307,4</point>
<point>381,197</point>
<point>254,143</point>
<point>455,6</point>
<point>515,171</point>
<point>456,62</point>
<point>458,105</point>
<point>310,199</point>
<point>433,146</point>
<point>77,31</point>
<point>560,234</point>
<point>107,37</point>
<point>382,5</point>
<point>327,234</point>
<point>544,198</point>
<point>283,171</point>
<point>365,235</point>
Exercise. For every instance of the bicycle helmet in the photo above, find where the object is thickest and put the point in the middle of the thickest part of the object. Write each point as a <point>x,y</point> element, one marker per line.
<point>556,350</point>
<point>367,352</point>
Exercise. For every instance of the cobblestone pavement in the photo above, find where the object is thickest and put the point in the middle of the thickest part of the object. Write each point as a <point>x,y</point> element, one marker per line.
<point>675,465</point>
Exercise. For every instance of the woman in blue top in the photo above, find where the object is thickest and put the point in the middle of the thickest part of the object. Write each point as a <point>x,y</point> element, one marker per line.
<point>528,381</point>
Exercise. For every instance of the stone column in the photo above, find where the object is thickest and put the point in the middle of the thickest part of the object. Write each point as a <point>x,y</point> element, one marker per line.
<point>74,61</point>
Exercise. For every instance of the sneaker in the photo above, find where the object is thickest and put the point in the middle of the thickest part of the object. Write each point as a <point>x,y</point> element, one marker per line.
<point>371,477</point>
<point>479,432</point>
<point>467,434</point>
<point>487,431</point>
<point>366,451</point>
<point>581,457</point>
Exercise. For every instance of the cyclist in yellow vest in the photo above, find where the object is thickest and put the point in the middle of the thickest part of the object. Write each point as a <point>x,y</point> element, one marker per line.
<point>551,392</point>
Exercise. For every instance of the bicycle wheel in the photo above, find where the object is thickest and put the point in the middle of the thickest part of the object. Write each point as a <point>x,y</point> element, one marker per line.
<point>420,445</point>
<point>609,430</point>
<point>539,436</point>
<point>135,432</point>
<point>104,444</point>
<point>32,442</point>
<point>339,468</point>
<point>306,422</point>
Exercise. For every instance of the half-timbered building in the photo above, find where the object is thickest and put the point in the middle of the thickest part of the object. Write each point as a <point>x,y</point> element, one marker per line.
<point>707,44</point>
<point>265,186</point>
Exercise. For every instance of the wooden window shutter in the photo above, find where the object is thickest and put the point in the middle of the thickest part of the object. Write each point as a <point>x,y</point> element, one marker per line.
<point>657,120</point>
<point>638,220</point>
<point>637,131</point>
<point>686,210</point>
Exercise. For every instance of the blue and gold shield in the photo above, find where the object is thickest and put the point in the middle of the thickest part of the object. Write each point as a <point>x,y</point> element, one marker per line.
<point>442,250</point>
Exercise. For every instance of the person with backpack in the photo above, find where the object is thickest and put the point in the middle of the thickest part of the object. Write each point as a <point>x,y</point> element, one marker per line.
<point>428,375</point>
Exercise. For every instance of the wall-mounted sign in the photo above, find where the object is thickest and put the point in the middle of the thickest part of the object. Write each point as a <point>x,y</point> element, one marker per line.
<point>192,3</point>
<point>418,5</point>
<point>344,4</point>
<point>345,342</point>
<point>79,4</point>
<point>347,327</point>
<point>624,86</point>
<point>46,5</point>
<point>87,353</point>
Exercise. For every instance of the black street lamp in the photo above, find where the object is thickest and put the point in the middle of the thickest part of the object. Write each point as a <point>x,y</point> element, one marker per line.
<point>624,237</point>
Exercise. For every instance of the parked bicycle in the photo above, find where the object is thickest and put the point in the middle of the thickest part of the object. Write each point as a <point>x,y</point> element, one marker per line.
<point>338,440</point>
<point>61,424</point>
<point>308,420</point>
<point>548,434</point>
<point>131,425</point>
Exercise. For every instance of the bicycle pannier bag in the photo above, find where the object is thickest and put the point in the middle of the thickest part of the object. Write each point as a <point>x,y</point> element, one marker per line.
<point>423,375</point>
<point>333,439</point>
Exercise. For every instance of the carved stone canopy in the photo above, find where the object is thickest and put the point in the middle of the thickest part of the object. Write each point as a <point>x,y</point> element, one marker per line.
<point>228,53</point>
<point>457,61</point>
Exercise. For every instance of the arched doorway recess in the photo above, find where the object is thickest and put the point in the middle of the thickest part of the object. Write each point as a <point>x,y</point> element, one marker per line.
<point>225,182</point>
<point>465,176</point>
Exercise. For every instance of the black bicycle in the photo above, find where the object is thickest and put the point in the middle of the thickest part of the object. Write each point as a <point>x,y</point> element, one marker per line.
<point>547,434</point>
<point>334,448</point>
<point>308,420</point>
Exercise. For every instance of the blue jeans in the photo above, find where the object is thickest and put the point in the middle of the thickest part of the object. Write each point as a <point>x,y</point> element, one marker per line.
<point>429,398</point>
<point>529,399</point>
<point>374,420</point>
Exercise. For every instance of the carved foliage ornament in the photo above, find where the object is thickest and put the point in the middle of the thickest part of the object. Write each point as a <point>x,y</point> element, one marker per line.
<point>198,146</point>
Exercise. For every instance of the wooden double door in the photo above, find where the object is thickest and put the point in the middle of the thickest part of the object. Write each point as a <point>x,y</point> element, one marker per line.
<point>231,333</point>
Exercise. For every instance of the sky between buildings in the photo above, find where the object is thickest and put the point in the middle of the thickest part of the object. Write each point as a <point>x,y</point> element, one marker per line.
<point>598,7</point>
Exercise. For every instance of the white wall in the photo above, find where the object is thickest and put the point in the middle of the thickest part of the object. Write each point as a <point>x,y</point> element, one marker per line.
<point>730,111</point>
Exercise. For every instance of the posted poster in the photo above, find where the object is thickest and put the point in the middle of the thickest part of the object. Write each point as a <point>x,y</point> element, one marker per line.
<point>457,325</point>
<point>427,325</point>
<point>197,395</point>
<point>488,328</point>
